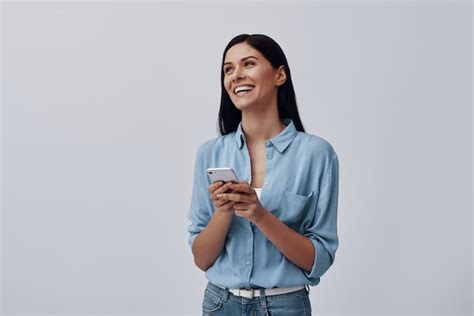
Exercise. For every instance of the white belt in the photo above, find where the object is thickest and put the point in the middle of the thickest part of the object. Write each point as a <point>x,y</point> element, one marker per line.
<point>251,293</point>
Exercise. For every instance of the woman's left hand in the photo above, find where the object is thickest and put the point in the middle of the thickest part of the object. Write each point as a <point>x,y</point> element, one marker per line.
<point>246,201</point>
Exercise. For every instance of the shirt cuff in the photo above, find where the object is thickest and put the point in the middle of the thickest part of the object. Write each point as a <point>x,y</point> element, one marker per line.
<point>191,239</point>
<point>321,263</point>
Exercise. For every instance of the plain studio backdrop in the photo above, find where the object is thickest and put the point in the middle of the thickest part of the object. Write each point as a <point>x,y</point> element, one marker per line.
<point>103,108</point>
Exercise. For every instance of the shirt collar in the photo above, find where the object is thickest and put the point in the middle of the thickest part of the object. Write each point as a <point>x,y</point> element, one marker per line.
<point>280,141</point>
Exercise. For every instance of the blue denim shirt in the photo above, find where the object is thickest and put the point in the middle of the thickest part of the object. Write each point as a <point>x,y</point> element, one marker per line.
<point>300,188</point>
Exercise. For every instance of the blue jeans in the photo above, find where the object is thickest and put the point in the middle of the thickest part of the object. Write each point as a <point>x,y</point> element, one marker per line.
<point>218,301</point>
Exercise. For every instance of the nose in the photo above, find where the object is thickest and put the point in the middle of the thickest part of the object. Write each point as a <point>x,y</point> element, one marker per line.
<point>237,74</point>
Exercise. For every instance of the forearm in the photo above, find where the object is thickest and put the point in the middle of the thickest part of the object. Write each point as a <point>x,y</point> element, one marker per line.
<point>209,243</point>
<point>297,248</point>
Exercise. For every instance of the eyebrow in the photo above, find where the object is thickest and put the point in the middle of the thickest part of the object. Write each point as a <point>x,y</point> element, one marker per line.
<point>241,59</point>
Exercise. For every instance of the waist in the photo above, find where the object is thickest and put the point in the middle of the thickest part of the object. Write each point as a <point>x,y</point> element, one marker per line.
<point>257,292</point>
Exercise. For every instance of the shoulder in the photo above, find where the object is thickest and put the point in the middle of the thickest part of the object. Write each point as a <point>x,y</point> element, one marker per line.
<point>319,152</point>
<point>316,146</point>
<point>212,145</point>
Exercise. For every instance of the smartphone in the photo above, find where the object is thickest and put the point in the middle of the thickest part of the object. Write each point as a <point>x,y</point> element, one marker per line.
<point>226,174</point>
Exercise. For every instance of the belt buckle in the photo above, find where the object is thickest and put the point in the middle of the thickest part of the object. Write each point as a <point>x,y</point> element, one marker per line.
<point>247,293</point>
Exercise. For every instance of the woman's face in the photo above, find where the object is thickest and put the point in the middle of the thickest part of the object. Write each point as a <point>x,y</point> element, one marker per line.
<point>246,67</point>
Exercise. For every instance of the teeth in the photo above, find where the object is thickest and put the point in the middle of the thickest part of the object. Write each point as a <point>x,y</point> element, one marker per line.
<point>242,88</point>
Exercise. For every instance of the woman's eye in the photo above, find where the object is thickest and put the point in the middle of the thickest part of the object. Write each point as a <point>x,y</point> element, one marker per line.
<point>226,70</point>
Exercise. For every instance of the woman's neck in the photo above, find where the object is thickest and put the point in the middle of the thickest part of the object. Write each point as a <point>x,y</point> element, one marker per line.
<point>259,127</point>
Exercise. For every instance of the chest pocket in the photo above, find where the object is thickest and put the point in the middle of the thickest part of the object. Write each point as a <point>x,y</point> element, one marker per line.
<point>292,207</point>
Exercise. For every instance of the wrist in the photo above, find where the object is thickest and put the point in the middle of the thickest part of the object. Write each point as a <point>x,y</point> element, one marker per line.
<point>261,217</point>
<point>225,213</point>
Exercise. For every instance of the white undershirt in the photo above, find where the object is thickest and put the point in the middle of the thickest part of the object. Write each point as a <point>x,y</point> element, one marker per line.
<point>258,191</point>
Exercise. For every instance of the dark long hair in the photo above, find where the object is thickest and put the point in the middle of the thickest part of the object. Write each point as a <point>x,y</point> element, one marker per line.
<point>229,115</point>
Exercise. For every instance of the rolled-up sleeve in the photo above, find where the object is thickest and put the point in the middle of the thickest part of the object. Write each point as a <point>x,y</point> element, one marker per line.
<point>321,224</point>
<point>200,211</point>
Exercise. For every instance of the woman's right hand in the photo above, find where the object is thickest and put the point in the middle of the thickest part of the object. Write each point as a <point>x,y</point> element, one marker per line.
<point>217,187</point>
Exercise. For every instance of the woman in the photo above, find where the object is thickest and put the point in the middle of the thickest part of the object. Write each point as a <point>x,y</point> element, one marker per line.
<point>263,241</point>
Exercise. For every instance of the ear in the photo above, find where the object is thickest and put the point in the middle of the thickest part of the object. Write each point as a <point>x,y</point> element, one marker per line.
<point>280,76</point>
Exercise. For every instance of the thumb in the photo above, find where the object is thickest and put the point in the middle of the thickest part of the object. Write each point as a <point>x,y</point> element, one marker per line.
<point>249,188</point>
<point>245,182</point>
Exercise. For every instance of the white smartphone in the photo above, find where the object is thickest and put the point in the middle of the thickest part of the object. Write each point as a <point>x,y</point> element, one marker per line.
<point>226,174</point>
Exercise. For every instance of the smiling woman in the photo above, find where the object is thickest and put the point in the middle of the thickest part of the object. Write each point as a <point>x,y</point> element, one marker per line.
<point>265,240</point>
<point>251,81</point>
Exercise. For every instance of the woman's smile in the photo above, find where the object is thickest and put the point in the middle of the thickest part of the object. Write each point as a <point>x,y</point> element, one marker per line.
<point>242,91</point>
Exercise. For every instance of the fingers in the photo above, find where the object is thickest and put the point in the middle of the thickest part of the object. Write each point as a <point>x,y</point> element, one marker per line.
<point>220,201</point>
<point>223,189</point>
<point>226,196</point>
<point>226,206</point>
<point>241,206</point>
<point>218,187</point>
<point>236,197</point>
<point>218,184</point>
<point>243,186</point>
<point>214,186</point>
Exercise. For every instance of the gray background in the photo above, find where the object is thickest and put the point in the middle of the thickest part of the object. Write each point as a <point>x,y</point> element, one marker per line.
<point>105,104</point>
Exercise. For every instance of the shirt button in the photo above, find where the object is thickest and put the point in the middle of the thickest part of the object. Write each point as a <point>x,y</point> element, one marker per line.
<point>247,262</point>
